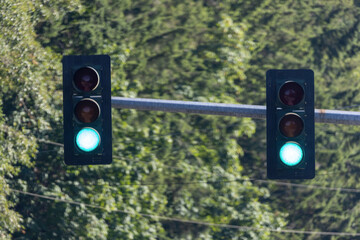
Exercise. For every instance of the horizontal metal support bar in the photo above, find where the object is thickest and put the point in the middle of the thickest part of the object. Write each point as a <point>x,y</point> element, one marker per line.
<point>190,107</point>
<point>223,109</point>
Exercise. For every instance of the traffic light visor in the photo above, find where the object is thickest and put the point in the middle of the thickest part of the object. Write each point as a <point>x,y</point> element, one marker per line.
<point>87,110</point>
<point>291,93</point>
<point>291,125</point>
<point>86,79</point>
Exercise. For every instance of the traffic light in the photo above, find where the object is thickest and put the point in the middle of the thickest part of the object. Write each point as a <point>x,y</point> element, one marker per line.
<point>87,110</point>
<point>290,124</point>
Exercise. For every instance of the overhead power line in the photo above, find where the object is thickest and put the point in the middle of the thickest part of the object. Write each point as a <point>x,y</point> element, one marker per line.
<point>220,225</point>
<point>51,142</point>
<point>288,184</point>
<point>348,190</point>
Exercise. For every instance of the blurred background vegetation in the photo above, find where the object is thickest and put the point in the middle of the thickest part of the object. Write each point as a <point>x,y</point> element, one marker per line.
<point>209,50</point>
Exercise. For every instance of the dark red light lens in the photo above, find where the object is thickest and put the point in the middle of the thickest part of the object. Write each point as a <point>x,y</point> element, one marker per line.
<point>86,79</point>
<point>87,111</point>
<point>291,93</point>
<point>291,125</point>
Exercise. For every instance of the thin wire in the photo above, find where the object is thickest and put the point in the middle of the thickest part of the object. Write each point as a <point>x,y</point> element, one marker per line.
<point>51,142</point>
<point>240,228</point>
<point>347,107</point>
<point>47,151</point>
<point>349,190</point>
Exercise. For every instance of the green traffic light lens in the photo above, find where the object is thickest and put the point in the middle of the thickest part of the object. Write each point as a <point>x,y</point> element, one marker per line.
<point>291,154</point>
<point>87,139</point>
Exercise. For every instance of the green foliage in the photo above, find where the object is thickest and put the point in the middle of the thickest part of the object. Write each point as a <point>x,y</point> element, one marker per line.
<point>26,96</point>
<point>179,50</point>
<point>176,165</point>
<point>323,36</point>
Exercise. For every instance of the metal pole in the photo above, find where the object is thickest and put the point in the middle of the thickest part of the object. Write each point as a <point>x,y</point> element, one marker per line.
<point>223,109</point>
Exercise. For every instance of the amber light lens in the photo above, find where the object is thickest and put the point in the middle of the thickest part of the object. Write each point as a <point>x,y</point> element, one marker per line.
<point>86,79</point>
<point>291,93</point>
<point>87,111</point>
<point>291,125</point>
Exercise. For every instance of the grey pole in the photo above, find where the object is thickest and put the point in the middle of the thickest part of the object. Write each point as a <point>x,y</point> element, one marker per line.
<point>223,109</point>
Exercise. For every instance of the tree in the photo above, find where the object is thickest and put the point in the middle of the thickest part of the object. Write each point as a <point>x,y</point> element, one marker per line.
<point>171,49</point>
<point>323,36</point>
<point>25,101</point>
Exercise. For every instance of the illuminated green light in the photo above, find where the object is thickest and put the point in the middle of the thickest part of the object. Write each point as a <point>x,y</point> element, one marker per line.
<point>87,139</point>
<point>291,154</point>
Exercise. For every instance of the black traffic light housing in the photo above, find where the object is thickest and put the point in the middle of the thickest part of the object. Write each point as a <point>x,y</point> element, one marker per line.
<point>290,124</point>
<point>87,110</point>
